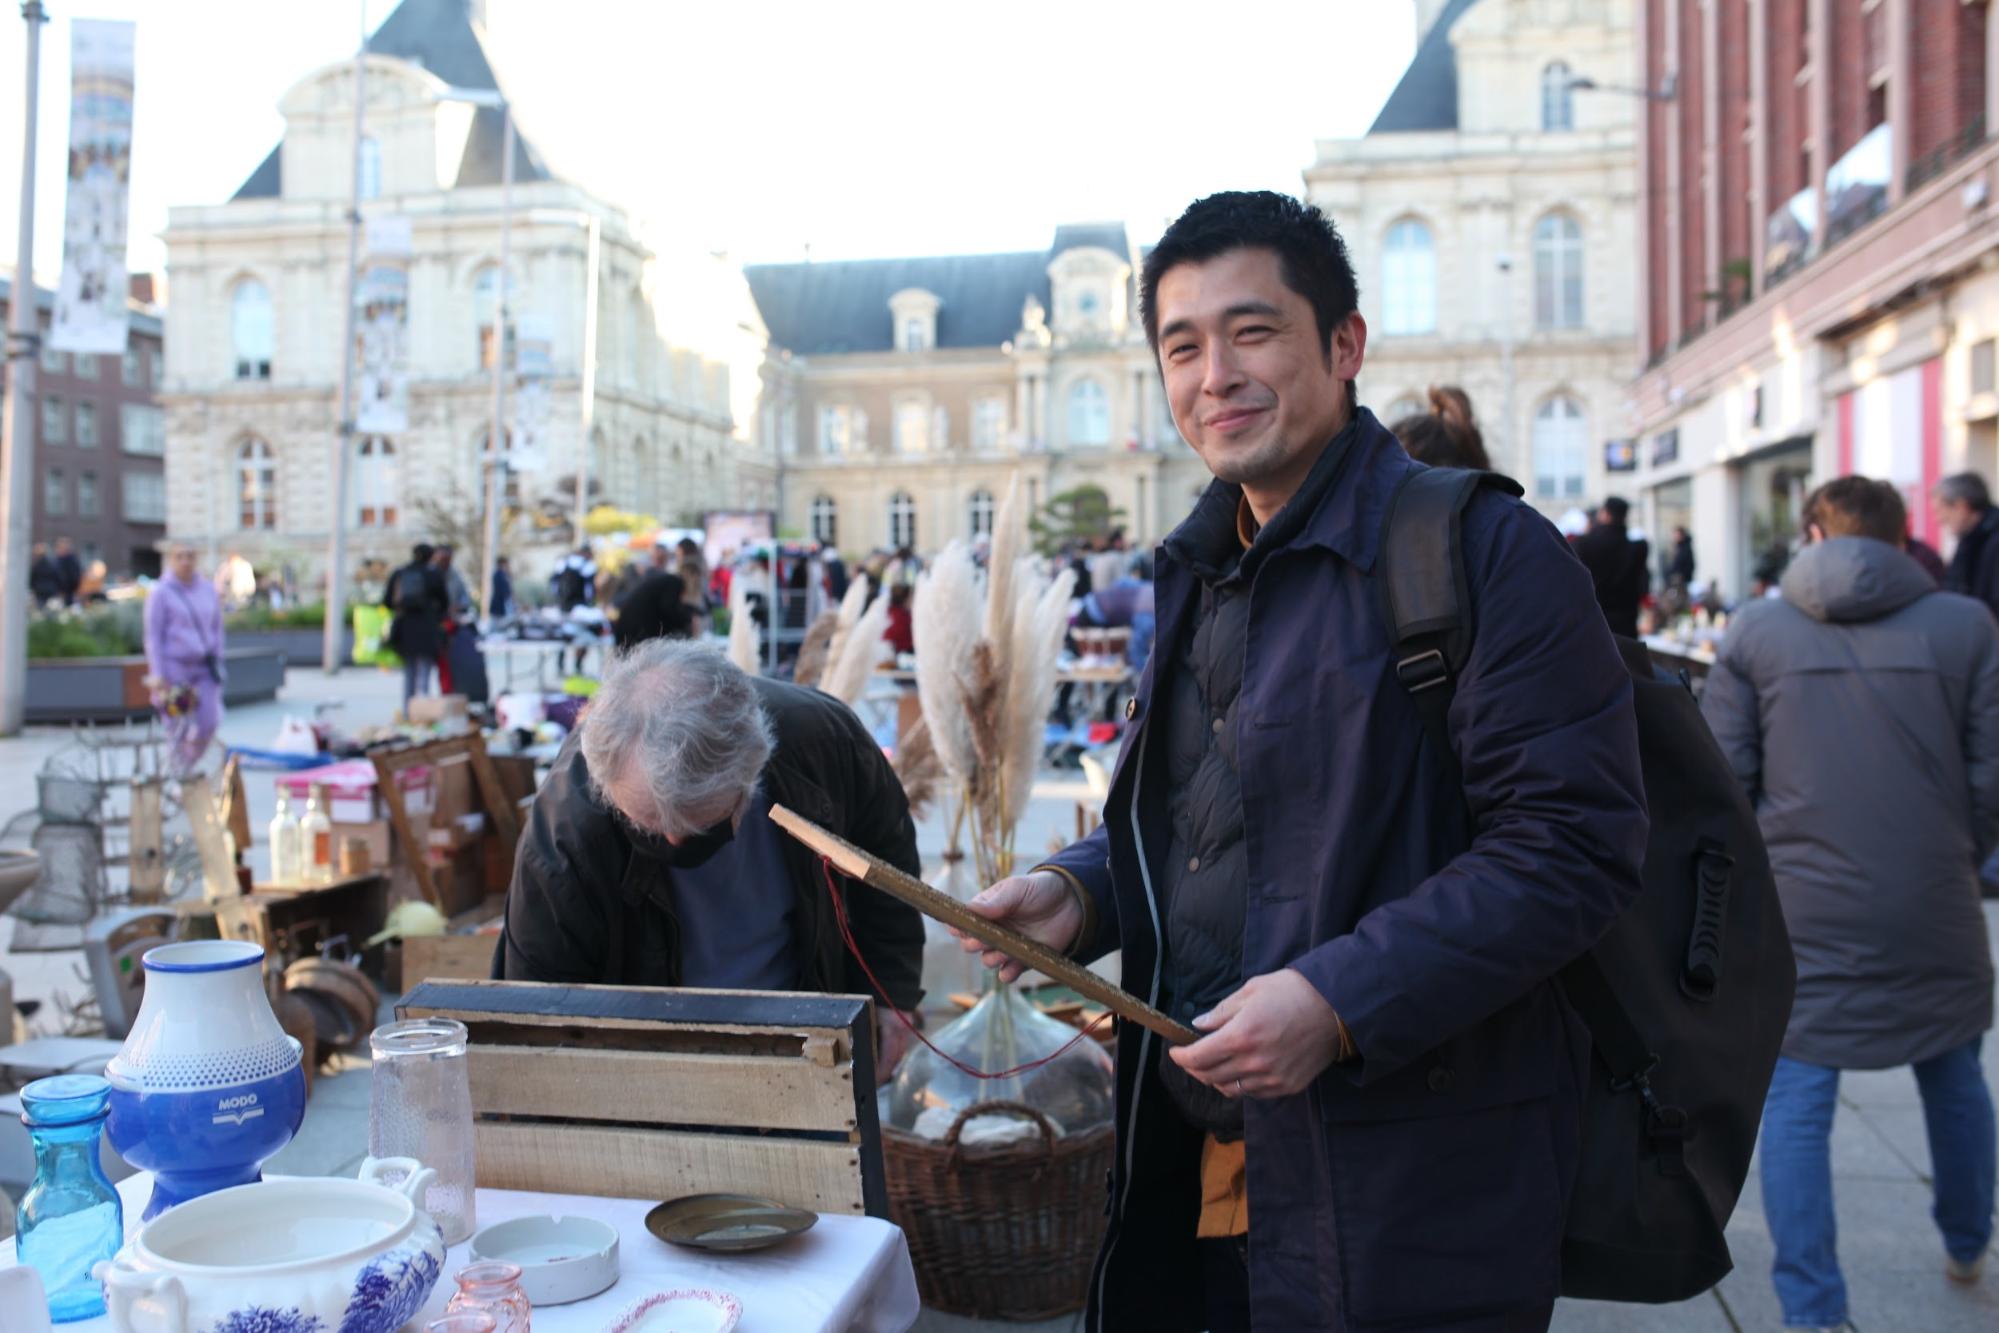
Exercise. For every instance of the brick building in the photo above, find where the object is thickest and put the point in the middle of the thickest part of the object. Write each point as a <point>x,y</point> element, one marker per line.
<point>99,444</point>
<point>1821,288</point>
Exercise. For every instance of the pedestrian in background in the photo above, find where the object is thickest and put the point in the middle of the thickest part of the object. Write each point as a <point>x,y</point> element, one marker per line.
<point>69,571</point>
<point>1964,509</point>
<point>503,589</point>
<point>693,571</point>
<point>184,641</point>
<point>1861,711</point>
<point>416,596</point>
<point>1446,435</point>
<point>1618,565</point>
<point>44,584</point>
<point>1680,565</point>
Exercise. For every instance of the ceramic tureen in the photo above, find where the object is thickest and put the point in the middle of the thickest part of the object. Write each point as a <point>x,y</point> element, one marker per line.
<point>283,1256</point>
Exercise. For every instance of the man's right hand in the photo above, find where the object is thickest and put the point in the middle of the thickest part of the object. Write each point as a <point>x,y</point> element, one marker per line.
<point>1040,906</point>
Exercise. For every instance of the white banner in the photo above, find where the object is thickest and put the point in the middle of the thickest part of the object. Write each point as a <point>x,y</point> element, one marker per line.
<point>90,313</point>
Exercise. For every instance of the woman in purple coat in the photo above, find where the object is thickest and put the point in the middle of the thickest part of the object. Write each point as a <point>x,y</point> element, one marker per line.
<point>184,657</point>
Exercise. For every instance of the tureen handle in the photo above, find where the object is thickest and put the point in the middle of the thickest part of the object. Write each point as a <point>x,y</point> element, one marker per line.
<point>416,1177</point>
<point>142,1302</point>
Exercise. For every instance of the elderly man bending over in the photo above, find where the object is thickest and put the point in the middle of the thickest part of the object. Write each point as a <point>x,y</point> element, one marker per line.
<point>650,858</point>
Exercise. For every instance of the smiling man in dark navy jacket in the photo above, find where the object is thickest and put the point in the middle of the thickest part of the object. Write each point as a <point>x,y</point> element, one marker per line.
<point>1381,1127</point>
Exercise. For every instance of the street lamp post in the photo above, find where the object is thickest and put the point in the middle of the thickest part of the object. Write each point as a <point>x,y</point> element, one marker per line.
<point>333,645</point>
<point>17,444</point>
<point>1506,374</point>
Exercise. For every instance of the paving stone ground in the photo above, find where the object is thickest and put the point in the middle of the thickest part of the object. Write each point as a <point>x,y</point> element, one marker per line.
<point>1888,1246</point>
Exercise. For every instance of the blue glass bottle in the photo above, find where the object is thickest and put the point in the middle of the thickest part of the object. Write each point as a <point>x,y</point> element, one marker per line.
<point>71,1217</point>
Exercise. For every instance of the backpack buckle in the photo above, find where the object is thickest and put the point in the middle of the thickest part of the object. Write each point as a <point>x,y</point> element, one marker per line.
<point>1423,671</point>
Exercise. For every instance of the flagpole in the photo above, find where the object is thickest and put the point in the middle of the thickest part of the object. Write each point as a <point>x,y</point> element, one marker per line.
<point>17,442</point>
<point>333,647</point>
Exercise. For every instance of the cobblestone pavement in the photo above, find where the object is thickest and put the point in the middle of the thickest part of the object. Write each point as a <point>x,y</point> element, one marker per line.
<point>1888,1246</point>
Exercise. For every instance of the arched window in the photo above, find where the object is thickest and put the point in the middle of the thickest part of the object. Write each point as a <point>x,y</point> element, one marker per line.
<point>1409,280</point>
<point>901,520</point>
<point>1558,98</point>
<point>1089,413</point>
<point>256,486</point>
<point>483,297</point>
<point>252,329</point>
<point>1558,272</point>
<point>825,521</point>
<point>368,184</point>
<point>1561,449</point>
<point>376,485</point>
<point>980,511</point>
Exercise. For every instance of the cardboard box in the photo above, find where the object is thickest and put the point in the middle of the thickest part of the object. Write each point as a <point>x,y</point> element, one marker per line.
<point>457,833</point>
<point>351,794</point>
<point>459,875</point>
<point>436,708</point>
<point>454,791</point>
<point>376,833</point>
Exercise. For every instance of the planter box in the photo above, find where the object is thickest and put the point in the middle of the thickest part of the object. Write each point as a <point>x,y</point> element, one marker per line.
<point>112,689</point>
<point>299,647</point>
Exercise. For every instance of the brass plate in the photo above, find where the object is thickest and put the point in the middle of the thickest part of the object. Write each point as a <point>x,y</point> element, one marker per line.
<point>727,1222</point>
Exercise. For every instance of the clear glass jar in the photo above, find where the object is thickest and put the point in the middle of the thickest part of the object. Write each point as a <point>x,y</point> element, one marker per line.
<point>420,1105</point>
<point>492,1288</point>
<point>71,1218</point>
<point>286,865</point>
<point>1004,1031</point>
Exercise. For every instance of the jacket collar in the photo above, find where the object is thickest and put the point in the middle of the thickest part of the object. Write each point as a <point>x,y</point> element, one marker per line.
<point>1346,495</point>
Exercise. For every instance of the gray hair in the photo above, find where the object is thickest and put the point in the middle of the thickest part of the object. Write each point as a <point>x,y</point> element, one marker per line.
<point>1968,487</point>
<point>688,719</point>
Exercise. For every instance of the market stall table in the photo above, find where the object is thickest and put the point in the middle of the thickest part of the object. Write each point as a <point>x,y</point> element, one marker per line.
<point>845,1273</point>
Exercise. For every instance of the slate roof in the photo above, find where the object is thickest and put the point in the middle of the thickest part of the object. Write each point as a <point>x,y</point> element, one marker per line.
<point>1426,97</point>
<point>438,35</point>
<point>818,308</point>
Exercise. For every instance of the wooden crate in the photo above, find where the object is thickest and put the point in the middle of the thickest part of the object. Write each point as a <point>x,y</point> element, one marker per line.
<point>447,958</point>
<point>635,1092</point>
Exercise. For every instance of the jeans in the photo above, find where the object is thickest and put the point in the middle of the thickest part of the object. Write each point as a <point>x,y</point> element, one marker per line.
<point>1797,1174</point>
<point>417,675</point>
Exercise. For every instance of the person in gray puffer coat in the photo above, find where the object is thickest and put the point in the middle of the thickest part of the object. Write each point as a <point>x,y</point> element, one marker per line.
<point>1862,713</point>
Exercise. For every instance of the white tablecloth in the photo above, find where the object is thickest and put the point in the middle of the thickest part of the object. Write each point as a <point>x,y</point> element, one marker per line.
<point>846,1274</point>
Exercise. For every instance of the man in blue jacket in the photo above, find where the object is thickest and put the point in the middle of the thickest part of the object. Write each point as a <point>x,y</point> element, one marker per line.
<point>1380,1128</point>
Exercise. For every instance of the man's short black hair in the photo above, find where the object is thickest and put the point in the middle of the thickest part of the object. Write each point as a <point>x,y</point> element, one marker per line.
<point>1311,256</point>
<point>422,552</point>
<point>1618,509</point>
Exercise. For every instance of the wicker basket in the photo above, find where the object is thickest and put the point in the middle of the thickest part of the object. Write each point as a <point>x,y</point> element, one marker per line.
<point>1005,1232</point>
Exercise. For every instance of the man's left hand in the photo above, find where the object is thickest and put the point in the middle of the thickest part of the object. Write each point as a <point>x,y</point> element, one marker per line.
<point>1269,1039</point>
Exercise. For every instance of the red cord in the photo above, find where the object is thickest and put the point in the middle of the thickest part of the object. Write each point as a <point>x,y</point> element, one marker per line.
<point>847,934</point>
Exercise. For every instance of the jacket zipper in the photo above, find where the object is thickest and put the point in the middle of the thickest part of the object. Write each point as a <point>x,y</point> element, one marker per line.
<point>1145,1035</point>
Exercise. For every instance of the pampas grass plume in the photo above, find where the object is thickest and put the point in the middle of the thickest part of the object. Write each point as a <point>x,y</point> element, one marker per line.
<point>848,672</point>
<point>742,631</point>
<point>944,616</point>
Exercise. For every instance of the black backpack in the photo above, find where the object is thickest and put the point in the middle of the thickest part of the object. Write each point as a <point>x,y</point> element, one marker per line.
<point>1686,998</point>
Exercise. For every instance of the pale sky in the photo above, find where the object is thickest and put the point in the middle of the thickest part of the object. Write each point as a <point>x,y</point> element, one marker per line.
<point>866,128</point>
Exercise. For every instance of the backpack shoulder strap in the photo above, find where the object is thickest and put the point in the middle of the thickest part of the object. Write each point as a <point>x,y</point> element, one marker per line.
<point>1425,589</point>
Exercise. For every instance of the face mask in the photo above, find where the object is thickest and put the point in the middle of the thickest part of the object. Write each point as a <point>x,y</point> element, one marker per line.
<point>701,848</point>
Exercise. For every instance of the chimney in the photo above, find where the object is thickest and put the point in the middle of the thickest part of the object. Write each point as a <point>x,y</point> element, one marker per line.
<point>142,288</point>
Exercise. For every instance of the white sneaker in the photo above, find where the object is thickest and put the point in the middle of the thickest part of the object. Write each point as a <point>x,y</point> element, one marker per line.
<point>1964,1271</point>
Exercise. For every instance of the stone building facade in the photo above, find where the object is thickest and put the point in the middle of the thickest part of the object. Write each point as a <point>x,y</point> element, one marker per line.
<point>1822,276</point>
<point>901,396</point>
<point>252,374</point>
<point>1489,212</point>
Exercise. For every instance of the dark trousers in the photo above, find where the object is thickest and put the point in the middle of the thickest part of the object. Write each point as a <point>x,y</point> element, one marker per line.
<point>1225,1269</point>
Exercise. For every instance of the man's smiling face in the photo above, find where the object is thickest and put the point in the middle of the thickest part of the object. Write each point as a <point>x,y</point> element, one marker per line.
<point>1251,383</point>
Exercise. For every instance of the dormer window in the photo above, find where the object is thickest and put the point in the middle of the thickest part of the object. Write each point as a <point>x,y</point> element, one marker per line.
<point>914,312</point>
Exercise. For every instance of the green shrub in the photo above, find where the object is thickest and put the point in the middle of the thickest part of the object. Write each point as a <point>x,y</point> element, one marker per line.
<point>109,631</point>
<point>306,615</point>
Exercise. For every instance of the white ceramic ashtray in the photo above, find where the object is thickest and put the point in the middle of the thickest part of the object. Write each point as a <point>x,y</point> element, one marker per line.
<point>561,1259</point>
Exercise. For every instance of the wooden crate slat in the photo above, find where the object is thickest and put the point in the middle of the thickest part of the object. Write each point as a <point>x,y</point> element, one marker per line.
<point>649,1164</point>
<point>636,1087</point>
<point>734,1008</point>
